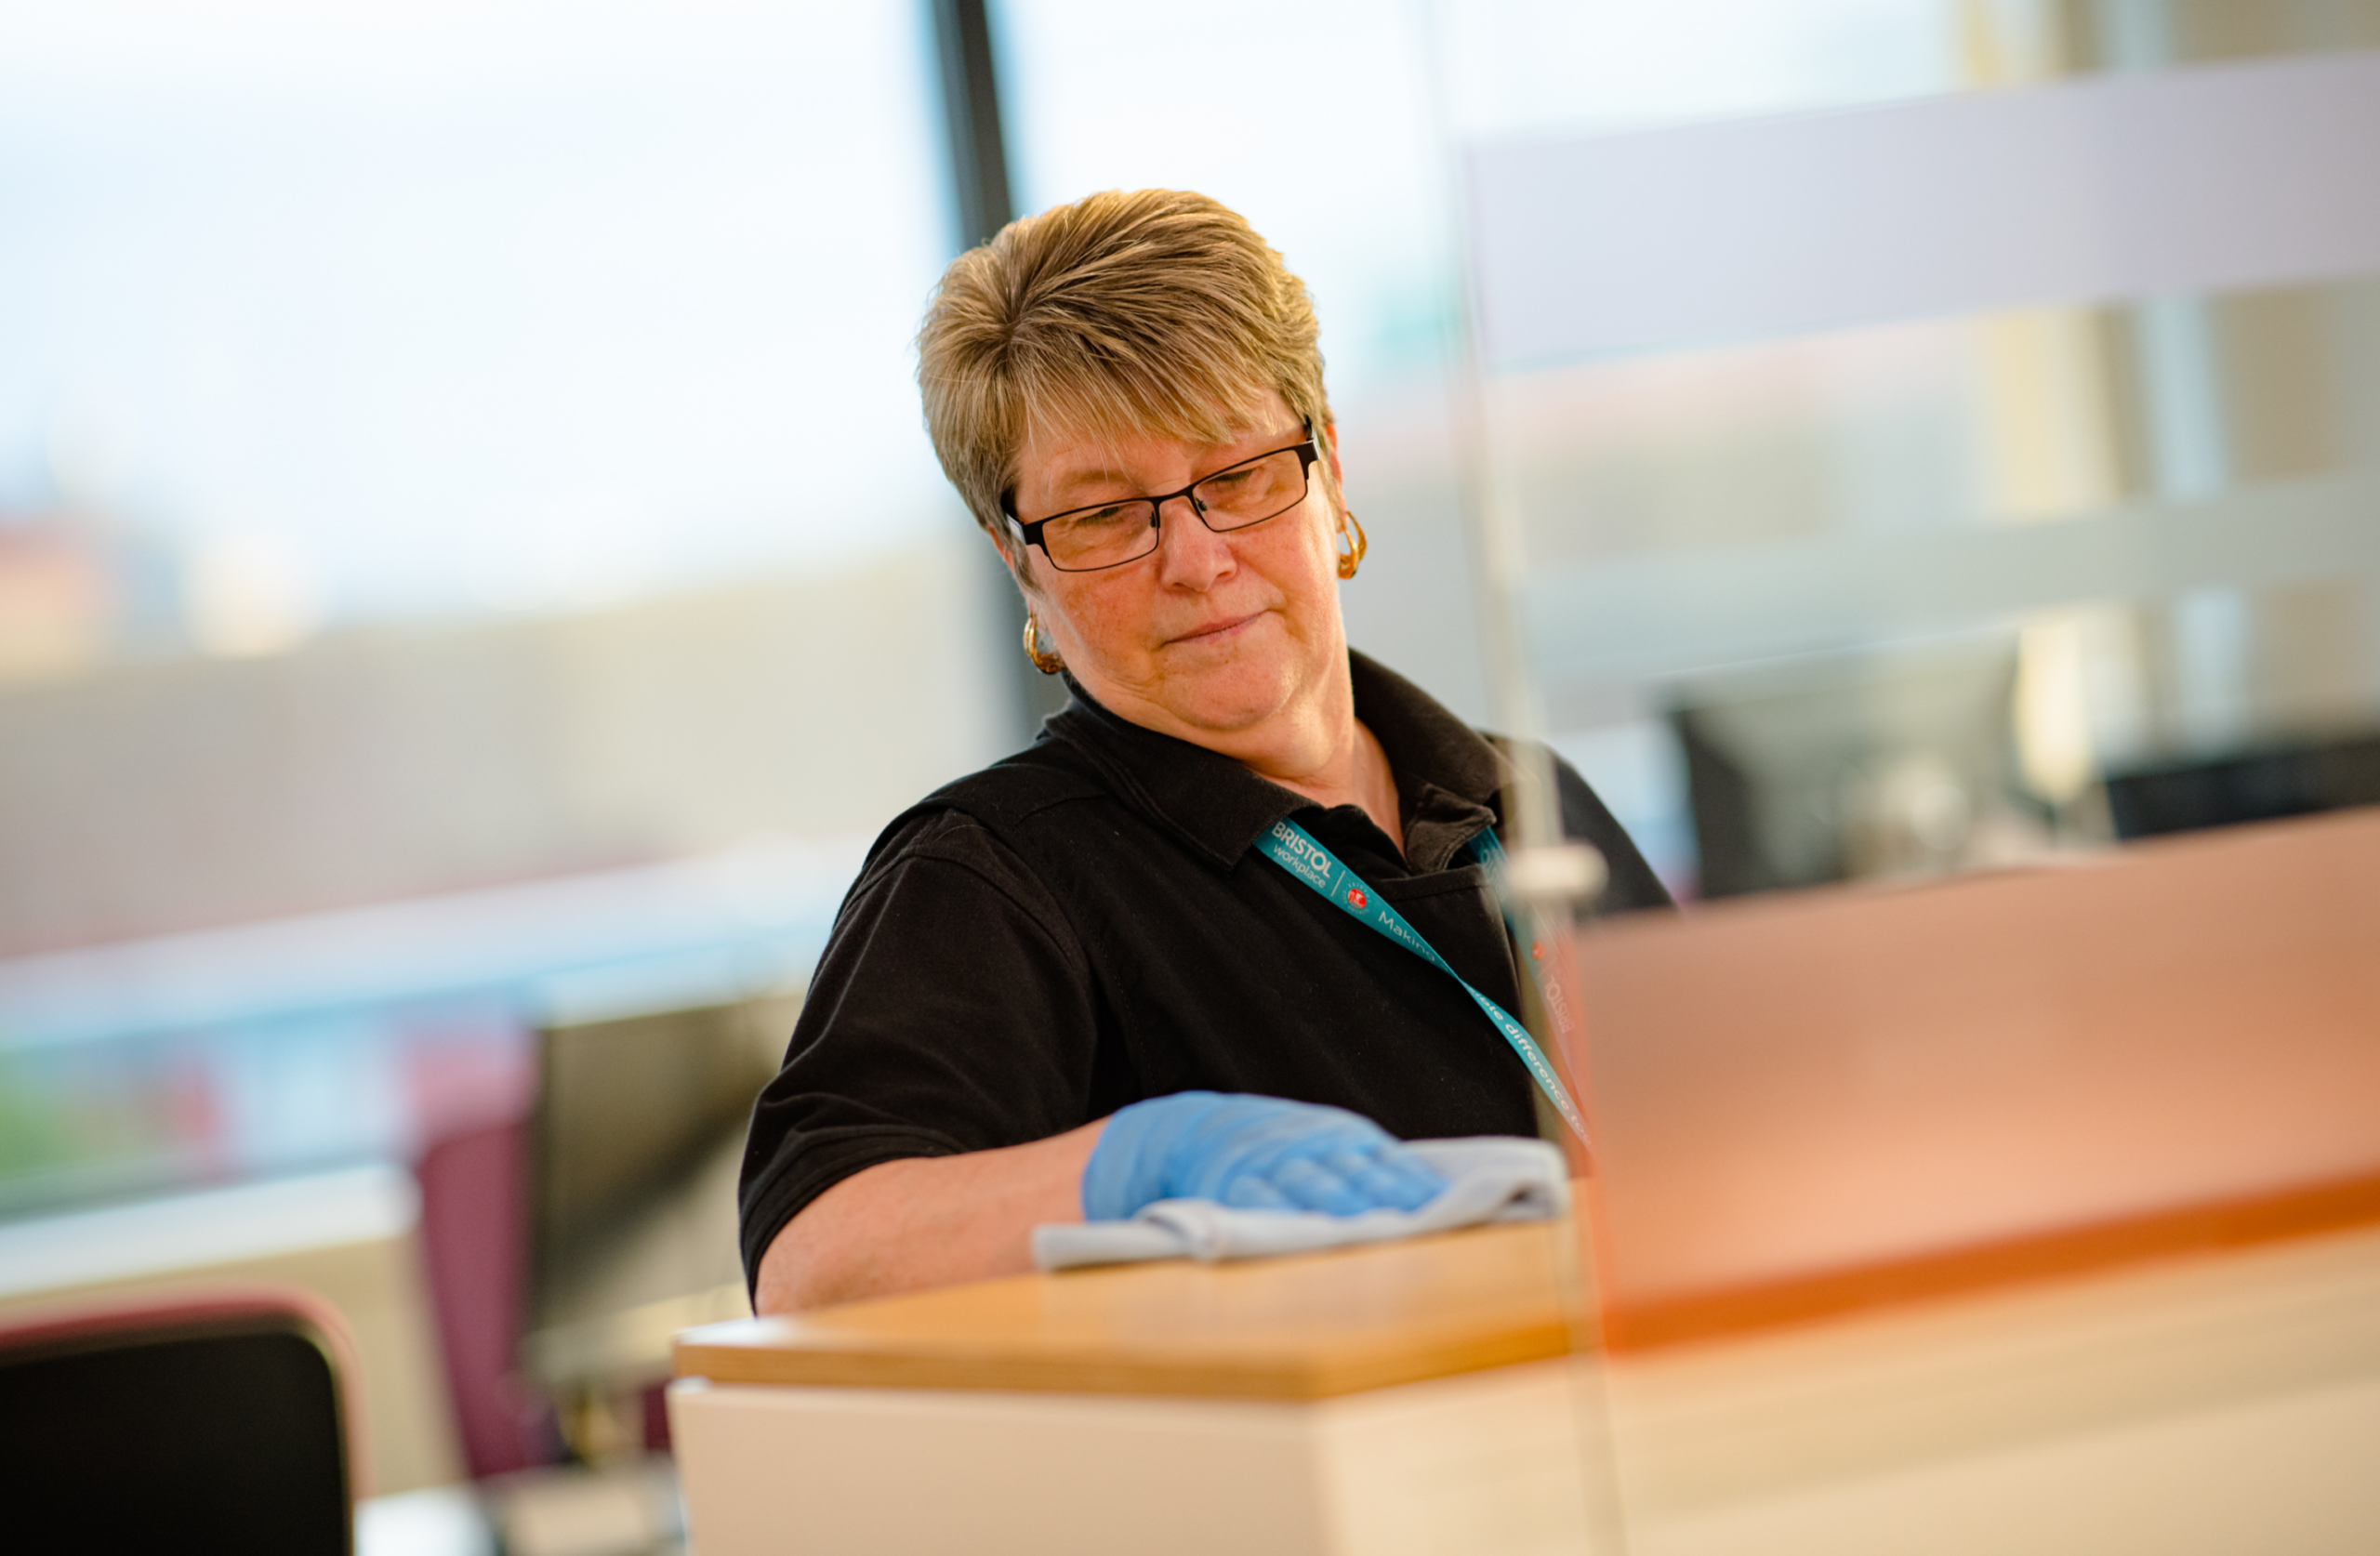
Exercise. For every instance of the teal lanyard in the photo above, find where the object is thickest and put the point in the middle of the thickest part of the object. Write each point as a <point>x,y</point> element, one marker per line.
<point>1293,849</point>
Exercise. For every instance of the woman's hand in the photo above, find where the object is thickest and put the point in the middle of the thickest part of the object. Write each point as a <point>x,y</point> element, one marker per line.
<point>1253,1153</point>
<point>928,1222</point>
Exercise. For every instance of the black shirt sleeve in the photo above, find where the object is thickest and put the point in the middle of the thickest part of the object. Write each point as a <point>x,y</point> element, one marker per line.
<point>951,1011</point>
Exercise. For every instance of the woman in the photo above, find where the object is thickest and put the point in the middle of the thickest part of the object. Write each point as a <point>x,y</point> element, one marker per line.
<point>1077,981</point>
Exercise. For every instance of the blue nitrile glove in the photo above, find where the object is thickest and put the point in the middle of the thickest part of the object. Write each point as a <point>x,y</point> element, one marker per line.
<point>1253,1153</point>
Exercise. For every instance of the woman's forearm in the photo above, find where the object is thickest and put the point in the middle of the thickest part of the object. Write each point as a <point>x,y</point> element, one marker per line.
<point>925,1221</point>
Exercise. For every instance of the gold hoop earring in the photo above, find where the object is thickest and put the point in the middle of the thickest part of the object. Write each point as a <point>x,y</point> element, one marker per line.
<point>1044,660</point>
<point>1353,557</point>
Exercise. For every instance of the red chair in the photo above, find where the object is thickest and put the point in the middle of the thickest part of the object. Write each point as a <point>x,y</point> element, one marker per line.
<point>219,1423</point>
<point>475,1243</point>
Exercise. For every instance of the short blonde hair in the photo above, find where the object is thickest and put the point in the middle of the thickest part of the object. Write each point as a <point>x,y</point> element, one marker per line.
<point>1149,311</point>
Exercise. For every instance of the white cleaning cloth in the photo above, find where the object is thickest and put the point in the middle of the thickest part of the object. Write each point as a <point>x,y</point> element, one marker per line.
<point>1493,1178</point>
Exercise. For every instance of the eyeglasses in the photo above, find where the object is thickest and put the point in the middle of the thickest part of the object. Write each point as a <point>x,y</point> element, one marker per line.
<point>1111,534</point>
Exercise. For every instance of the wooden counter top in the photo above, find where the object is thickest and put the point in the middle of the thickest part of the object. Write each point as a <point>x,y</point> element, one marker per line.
<point>1288,1329</point>
<point>1803,1108</point>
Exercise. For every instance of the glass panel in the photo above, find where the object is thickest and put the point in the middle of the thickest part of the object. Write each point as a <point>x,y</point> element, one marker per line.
<point>1840,577</point>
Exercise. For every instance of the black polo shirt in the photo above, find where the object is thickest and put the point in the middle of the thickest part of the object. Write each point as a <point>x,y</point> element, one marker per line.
<point>1086,923</point>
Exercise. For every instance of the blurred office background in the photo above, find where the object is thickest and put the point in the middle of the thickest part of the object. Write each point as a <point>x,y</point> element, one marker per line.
<point>472,579</point>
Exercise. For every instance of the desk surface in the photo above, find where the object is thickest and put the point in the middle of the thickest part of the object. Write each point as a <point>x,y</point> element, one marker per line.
<point>1305,1329</point>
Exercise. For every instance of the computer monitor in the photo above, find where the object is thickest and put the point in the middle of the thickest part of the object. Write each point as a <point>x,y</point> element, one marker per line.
<point>2262,784</point>
<point>637,1135</point>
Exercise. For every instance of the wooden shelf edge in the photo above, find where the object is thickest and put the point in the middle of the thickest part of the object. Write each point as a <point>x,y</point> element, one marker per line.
<point>1321,1376</point>
<point>2249,1221</point>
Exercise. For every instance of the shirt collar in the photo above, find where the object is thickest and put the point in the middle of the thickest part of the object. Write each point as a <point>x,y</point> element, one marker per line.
<point>1447,775</point>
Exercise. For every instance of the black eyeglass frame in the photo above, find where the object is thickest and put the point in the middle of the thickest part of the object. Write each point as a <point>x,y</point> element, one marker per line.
<point>1308,451</point>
